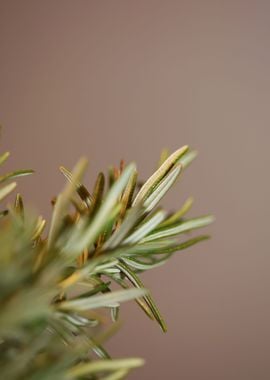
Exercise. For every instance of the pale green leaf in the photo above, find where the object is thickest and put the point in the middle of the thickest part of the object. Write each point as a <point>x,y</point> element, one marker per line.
<point>80,188</point>
<point>161,189</point>
<point>180,228</point>
<point>179,214</point>
<point>4,157</point>
<point>101,218</point>
<point>15,174</point>
<point>130,220</point>
<point>62,202</point>
<point>103,366</point>
<point>187,158</point>
<point>97,193</point>
<point>104,300</point>
<point>6,190</point>
<point>134,279</point>
<point>163,156</point>
<point>152,182</point>
<point>145,228</point>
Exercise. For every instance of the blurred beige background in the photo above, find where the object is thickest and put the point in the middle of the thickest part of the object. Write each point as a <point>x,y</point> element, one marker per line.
<point>123,79</point>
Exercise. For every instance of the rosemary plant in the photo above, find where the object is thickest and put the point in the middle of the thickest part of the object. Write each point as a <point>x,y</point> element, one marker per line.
<point>55,289</point>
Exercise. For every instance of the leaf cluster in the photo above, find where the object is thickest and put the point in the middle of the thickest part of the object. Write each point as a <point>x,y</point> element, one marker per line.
<point>56,287</point>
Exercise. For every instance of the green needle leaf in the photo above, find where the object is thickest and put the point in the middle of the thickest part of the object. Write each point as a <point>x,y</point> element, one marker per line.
<point>104,300</point>
<point>63,200</point>
<point>179,214</point>
<point>180,228</point>
<point>4,157</point>
<point>134,279</point>
<point>146,227</point>
<point>15,174</point>
<point>187,158</point>
<point>5,191</point>
<point>162,189</point>
<point>152,182</point>
<point>103,366</point>
<point>81,189</point>
<point>100,221</point>
<point>97,193</point>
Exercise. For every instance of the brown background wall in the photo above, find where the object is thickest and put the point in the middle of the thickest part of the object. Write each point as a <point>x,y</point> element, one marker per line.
<point>113,79</point>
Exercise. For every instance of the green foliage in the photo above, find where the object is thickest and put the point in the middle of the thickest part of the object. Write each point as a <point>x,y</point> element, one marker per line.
<point>55,289</point>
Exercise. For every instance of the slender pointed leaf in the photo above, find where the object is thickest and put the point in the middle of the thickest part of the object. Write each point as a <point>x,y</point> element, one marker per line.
<point>145,228</point>
<point>104,300</point>
<point>6,190</point>
<point>134,279</point>
<point>100,220</point>
<point>179,214</point>
<point>80,188</point>
<point>163,156</point>
<point>131,219</point>
<point>180,228</point>
<point>162,189</point>
<point>187,158</point>
<point>103,366</point>
<point>63,200</point>
<point>97,193</point>
<point>152,182</point>
<point>4,157</point>
<point>15,174</point>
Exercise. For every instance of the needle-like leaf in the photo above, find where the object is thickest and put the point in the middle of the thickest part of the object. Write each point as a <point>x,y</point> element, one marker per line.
<point>179,214</point>
<point>15,174</point>
<point>80,188</point>
<point>100,221</point>
<point>103,365</point>
<point>63,200</point>
<point>4,157</point>
<point>162,189</point>
<point>187,158</point>
<point>152,182</point>
<point>103,300</point>
<point>134,279</point>
<point>188,225</point>
<point>6,190</point>
<point>145,228</point>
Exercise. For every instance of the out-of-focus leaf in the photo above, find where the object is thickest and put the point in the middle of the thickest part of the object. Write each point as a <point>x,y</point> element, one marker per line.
<point>115,313</point>
<point>103,366</point>
<point>97,193</point>
<point>3,213</point>
<point>187,158</point>
<point>41,223</point>
<point>80,188</point>
<point>163,156</point>
<point>18,206</point>
<point>15,174</point>
<point>179,214</point>
<point>4,157</point>
<point>6,190</point>
<point>117,375</point>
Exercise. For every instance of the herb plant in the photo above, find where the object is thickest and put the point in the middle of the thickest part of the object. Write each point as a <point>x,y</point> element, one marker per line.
<point>56,286</point>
